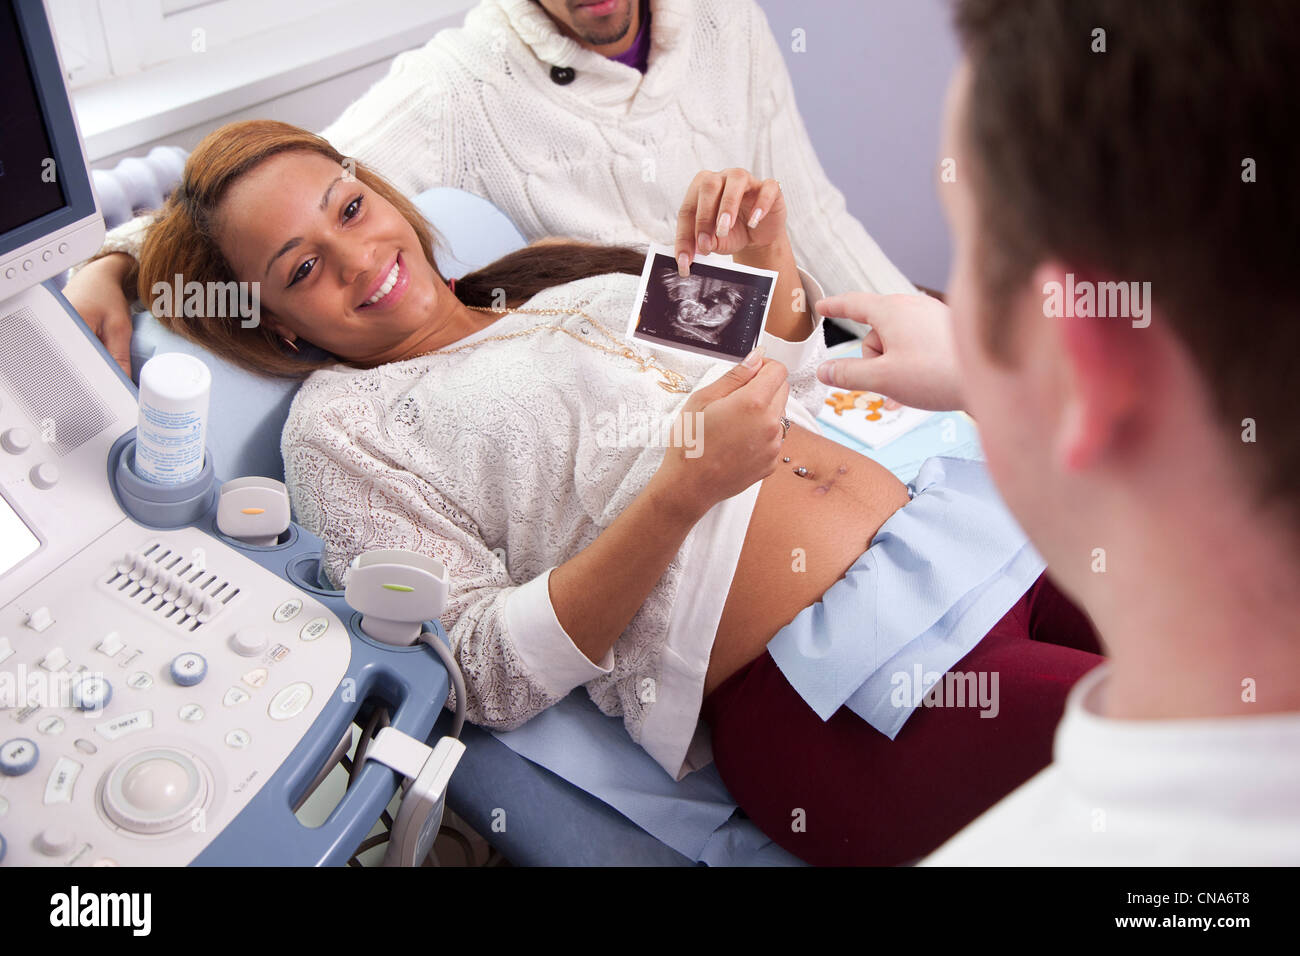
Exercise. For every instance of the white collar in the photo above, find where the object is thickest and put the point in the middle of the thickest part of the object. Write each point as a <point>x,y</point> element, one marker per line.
<point>1189,760</point>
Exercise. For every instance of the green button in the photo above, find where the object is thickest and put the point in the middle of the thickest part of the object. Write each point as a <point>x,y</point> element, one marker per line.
<point>398,587</point>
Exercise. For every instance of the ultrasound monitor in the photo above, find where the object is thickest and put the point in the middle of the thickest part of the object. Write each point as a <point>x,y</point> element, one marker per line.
<point>49,218</point>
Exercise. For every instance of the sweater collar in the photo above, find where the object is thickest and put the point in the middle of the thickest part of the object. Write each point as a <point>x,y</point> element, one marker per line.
<point>669,37</point>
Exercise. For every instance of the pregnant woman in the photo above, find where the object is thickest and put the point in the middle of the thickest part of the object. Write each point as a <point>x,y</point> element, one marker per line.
<point>462,420</point>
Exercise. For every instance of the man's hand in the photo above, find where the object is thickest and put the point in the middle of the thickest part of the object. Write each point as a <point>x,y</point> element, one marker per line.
<point>96,293</point>
<point>908,353</point>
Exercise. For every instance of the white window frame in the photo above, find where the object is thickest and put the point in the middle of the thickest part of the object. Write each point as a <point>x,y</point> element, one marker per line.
<point>165,30</point>
<point>106,38</point>
<point>136,79</point>
<point>79,31</point>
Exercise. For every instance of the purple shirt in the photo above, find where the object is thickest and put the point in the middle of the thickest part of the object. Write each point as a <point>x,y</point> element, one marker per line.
<point>638,54</point>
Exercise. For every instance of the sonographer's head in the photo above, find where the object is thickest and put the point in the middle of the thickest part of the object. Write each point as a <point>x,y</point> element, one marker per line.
<point>1125,209</point>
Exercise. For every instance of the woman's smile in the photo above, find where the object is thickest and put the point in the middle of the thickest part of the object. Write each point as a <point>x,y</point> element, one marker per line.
<point>388,287</point>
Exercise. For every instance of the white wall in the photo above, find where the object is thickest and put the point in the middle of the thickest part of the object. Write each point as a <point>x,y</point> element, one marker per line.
<point>870,88</point>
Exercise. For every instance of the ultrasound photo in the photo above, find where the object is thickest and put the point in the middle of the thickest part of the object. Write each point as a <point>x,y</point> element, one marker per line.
<point>718,310</point>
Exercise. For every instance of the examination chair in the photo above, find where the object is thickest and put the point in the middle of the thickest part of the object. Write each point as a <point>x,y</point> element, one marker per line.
<point>569,787</point>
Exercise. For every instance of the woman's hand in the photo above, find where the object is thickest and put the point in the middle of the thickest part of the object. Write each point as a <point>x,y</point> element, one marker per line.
<point>908,354</point>
<point>96,293</point>
<point>735,436</point>
<point>728,212</point>
<point>735,441</point>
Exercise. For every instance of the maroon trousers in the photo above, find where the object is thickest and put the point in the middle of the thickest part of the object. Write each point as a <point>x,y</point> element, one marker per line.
<point>842,793</point>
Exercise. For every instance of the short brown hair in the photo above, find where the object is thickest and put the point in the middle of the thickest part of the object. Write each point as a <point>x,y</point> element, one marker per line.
<point>1133,163</point>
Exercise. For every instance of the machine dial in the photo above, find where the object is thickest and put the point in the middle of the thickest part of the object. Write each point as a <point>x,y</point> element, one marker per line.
<point>247,643</point>
<point>45,475</point>
<point>92,692</point>
<point>189,668</point>
<point>55,841</point>
<point>18,756</point>
<point>16,440</point>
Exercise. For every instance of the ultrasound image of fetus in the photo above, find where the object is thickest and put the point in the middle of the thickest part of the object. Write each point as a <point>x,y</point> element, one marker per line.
<point>701,307</point>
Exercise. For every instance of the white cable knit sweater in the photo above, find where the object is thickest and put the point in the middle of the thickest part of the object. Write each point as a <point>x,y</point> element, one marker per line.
<point>606,158</point>
<point>505,460</point>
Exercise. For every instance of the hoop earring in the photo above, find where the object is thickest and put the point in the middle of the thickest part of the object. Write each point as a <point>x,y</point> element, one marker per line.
<point>291,345</point>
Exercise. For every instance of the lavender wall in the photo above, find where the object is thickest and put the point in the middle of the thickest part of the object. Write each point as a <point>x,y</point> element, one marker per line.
<point>870,87</point>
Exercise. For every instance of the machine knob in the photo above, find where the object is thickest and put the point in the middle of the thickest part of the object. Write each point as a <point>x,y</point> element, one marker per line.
<point>189,669</point>
<point>18,756</point>
<point>153,791</point>
<point>92,693</point>
<point>247,643</point>
<point>16,440</point>
<point>189,595</point>
<point>55,841</point>
<point>45,475</point>
<point>40,618</point>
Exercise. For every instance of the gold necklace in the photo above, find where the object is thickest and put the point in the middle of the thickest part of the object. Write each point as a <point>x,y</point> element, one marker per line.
<point>672,381</point>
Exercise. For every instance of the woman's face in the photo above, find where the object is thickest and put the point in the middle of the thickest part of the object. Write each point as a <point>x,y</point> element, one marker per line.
<point>338,265</point>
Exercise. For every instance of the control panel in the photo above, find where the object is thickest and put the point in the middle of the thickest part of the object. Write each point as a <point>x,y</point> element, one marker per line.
<point>147,690</point>
<point>173,676</point>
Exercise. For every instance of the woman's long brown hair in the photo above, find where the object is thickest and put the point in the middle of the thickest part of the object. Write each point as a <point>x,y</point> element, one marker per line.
<point>181,241</point>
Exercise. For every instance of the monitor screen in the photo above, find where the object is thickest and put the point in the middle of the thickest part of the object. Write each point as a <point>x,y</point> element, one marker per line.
<point>30,185</point>
<point>48,216</point>
<point>16,539</point>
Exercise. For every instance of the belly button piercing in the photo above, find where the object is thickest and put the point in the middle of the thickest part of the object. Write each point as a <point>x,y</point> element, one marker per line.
<point>801,471</point>
<point>786,460</point>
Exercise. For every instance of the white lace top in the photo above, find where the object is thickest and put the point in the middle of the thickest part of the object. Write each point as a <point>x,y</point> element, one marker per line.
<point>503,461</point>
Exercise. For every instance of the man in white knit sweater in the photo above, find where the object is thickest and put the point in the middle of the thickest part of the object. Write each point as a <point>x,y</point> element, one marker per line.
<point>533,106</point>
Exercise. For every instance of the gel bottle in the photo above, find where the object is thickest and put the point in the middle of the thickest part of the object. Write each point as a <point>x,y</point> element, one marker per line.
<point>174,393</point>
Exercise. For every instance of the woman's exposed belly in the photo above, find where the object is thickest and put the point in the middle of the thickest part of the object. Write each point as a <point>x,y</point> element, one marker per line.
<point>804,534</point>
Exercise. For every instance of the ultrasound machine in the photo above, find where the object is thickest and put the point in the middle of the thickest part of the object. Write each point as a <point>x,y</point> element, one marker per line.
<point>174,680</point>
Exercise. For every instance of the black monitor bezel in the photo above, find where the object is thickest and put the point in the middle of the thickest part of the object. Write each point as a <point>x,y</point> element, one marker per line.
<point>51,95</point>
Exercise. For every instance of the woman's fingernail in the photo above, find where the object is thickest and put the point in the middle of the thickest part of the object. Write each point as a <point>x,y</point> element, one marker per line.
<point>683,264</point>
<point>753,220</point>
<point>754,358</point>
<point>724,223</point>
<point>702,242</point>
<point>826,372</point>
